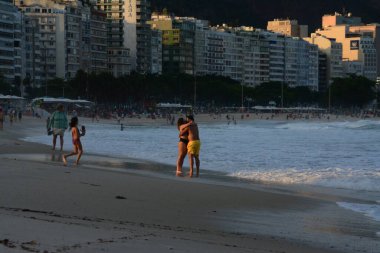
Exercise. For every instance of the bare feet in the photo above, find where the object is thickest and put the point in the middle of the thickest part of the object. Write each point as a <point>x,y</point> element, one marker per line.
<point>179,173</point>
<point>64,160</point>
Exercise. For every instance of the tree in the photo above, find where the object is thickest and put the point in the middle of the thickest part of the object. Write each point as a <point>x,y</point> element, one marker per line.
<point>352,91</point>
<point>271,91</point>
<point>5,87</point>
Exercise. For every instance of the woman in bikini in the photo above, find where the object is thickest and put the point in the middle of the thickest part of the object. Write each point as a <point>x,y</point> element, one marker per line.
<point>76,134</point>
<point>182,146</point>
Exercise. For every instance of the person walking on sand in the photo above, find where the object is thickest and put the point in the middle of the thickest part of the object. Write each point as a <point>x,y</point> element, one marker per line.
<point>182,146</point>
<point>58,122</point>
<point>76,134</point>
<point>194,145</point>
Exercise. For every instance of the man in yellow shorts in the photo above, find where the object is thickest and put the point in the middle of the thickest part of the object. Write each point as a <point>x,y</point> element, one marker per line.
<point>194,145</point>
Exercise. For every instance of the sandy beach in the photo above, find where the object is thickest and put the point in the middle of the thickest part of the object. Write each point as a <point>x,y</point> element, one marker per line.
<point>126,205</point>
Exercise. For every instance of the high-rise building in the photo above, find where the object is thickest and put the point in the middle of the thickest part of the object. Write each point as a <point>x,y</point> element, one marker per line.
<point>356,50</point>
<point>156,52</point>
<point>288,27</point>
<point>332,50</point>
<point>94,40</point>
<point>33,65</point>
<point>47,19</point>
<point>252,56</point>
<point>324,81</point>
<point>128,30</point>
<point>143,34</point>
<point>292,61</point>
<point>340,19</point>
<point>239,53</point>
<point>371,31</point>
<point>12,53</point>
<point>178,38</point>
<point>73,27</point>
<point>98,42</point>
<point>61,38</point>
<point>119,34</point>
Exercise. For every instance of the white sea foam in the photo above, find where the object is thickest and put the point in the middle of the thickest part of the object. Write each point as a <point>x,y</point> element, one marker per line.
<point>307,126</point>
<point>369,210</point>
<point>333,154</point>
<point>329,177</point>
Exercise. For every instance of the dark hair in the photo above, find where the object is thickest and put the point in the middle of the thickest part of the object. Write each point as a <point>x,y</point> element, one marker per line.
<point>60,107</point>
<point>190,117</point>
<point>74,121</point>
<point>180,122</point>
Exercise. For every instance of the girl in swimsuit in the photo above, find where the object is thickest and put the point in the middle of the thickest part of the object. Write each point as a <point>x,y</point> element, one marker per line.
<point>182,146</point>
<point>76,134</point>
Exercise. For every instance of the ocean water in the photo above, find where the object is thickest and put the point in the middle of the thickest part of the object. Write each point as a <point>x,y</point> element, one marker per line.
<point>330,154</point>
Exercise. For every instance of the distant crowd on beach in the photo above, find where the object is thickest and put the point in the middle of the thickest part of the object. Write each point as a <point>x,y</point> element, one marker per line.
<point>10,116</point>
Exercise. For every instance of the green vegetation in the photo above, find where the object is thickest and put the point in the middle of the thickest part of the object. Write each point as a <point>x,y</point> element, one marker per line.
<point>6,88</point>
<point>211,91</point>
<point>352,91</point>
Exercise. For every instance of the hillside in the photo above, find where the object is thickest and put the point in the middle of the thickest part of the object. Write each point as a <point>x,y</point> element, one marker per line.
<point>257,12</point>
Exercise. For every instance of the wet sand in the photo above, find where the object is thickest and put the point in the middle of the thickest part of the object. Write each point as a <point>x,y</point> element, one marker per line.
<point>125,205</point>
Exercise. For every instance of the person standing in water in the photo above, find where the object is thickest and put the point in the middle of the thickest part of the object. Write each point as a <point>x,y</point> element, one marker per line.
<point>182,146</point>
<point>76,134</point>
<point>194,145</point>
<point>58,123</point>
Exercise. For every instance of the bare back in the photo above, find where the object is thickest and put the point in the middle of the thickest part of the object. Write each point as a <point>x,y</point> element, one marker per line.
<point>193,132</point>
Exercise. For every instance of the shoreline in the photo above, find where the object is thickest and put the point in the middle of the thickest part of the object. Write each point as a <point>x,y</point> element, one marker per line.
<point>158,212</point>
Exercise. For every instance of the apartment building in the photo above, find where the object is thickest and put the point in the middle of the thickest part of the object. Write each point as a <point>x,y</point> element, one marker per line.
<point>288,27</point>
<point>94,40</point>
<point>253,56</point>
<point>119,34</point>
<point>239,53</point>
<point>11,44</point>
<point>33,58</point>
<point>333,51</point>
<point>155,64</point>
<point>144,37</point>
<point>330,20</point>
<point>292,61</point>
<point>46,31</point>
<point>73,36</point>
<point>356,50</point>
<point>371,31</point>
<point>178,38</point>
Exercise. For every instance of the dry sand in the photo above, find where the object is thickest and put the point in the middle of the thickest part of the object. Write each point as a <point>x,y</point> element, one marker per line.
<point>113,205</point>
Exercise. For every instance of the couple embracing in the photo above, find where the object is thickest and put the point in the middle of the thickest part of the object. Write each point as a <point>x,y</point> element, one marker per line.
<point>189,143</point>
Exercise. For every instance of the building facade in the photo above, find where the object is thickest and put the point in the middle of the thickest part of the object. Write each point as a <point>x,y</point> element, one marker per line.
<point>288,27</point>
<point>119,34</point>
<point>156,52</point>
<point>252,56</point>
<point>356,48</point>
<point>46,31</point>
<point>12,58</point>
<point>370,31</point>
<point>333,51</point>
<point>178,40</point>
<point>336,19</point>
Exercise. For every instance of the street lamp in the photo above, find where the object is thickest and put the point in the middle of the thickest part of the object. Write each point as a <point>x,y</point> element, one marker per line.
<point>195,90</point>
<point>242,97</point>
<point>282,94</point>
<point>329,98</point>
<point>45,67</point>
